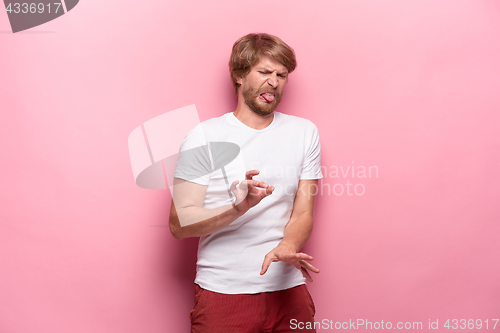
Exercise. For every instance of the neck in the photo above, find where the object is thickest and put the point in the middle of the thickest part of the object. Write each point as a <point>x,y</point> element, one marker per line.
<point>250,118</point>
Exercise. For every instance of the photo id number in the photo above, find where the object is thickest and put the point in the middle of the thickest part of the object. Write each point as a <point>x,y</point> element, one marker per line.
<point>25,8</point>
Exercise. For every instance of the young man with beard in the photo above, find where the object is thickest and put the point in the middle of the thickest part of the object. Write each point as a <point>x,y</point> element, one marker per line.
<point>244,228</point>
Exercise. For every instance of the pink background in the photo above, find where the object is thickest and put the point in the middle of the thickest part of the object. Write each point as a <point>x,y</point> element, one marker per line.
<point>411,87</point>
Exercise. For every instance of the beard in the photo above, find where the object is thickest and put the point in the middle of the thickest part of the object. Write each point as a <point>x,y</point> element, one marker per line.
<point>254,103</point>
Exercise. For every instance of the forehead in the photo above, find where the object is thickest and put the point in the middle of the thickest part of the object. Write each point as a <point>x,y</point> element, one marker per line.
<point>267,62</point>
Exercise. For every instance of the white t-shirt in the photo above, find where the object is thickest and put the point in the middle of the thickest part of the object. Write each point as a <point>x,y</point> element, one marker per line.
<point>230,260</point>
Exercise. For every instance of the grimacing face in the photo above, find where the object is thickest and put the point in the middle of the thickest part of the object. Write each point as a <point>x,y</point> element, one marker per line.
<point>262,88</point>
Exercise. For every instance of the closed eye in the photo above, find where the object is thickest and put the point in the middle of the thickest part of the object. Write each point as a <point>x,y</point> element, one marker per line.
<point>281,75</point>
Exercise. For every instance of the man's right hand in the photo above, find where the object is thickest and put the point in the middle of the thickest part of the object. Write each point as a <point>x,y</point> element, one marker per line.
<point>199,221</point>
<point>248,193</point>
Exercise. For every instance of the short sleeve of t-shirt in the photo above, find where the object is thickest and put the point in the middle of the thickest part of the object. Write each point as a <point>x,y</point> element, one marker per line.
<point>194,163</point>
<point>312,160</point>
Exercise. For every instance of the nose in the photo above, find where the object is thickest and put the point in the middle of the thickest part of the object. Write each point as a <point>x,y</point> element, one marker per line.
<point>273,80</point>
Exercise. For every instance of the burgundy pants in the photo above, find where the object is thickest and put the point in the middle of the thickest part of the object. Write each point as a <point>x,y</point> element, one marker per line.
<point>276,311</point>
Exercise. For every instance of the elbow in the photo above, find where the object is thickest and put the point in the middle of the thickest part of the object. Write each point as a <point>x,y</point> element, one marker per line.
<point>174,224</point>
<point>177,235</point>
<point>176,230</point>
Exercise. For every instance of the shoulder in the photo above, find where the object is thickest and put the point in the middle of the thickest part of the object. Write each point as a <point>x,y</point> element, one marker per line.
<point>298,123</point>
<point>214,124</point>
<point>216,120</point>
<point>209,126</point>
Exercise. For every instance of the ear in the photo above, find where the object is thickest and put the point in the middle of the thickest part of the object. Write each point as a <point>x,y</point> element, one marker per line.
<point>239,80</point>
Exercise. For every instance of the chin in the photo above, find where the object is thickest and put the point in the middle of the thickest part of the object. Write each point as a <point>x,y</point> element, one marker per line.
<point>262,110</point>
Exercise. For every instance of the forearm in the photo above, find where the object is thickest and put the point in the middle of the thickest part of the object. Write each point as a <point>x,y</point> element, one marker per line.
<point>191,220</point>
<point>197,221</point>
<point>297,232</point>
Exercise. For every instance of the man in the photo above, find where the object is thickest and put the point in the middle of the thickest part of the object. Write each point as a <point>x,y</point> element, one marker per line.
<point>244,228</point>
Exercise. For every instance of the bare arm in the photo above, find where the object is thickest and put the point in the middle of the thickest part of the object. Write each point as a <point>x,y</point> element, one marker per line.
<point>189,219</point>
<point>297,232</point>
<point>299,228</point>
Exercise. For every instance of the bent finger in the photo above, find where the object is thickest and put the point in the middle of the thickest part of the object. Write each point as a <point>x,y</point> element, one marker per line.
<point>265,265</point>
<point>257,183</point>
<point>251,173</point>
<point>305,256</point>
<point>269,190</point>
<point>308,266</point>
<point>288,256</point>
<point>306,274</point>
<point>233,185</point>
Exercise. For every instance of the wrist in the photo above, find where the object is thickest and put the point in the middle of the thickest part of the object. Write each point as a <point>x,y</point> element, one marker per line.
<point>290,246</point>
<point>237,211</point>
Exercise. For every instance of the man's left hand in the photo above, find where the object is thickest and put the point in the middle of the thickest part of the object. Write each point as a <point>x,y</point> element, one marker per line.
<point>286,253</point>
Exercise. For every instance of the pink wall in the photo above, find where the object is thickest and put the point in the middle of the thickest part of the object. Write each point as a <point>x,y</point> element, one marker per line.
<point>410,88</point>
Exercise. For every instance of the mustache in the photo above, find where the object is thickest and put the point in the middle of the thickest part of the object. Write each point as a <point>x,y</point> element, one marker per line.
<point>274,91</point>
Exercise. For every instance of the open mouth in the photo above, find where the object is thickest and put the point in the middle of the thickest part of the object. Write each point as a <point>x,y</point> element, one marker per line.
<point>267,96</point>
